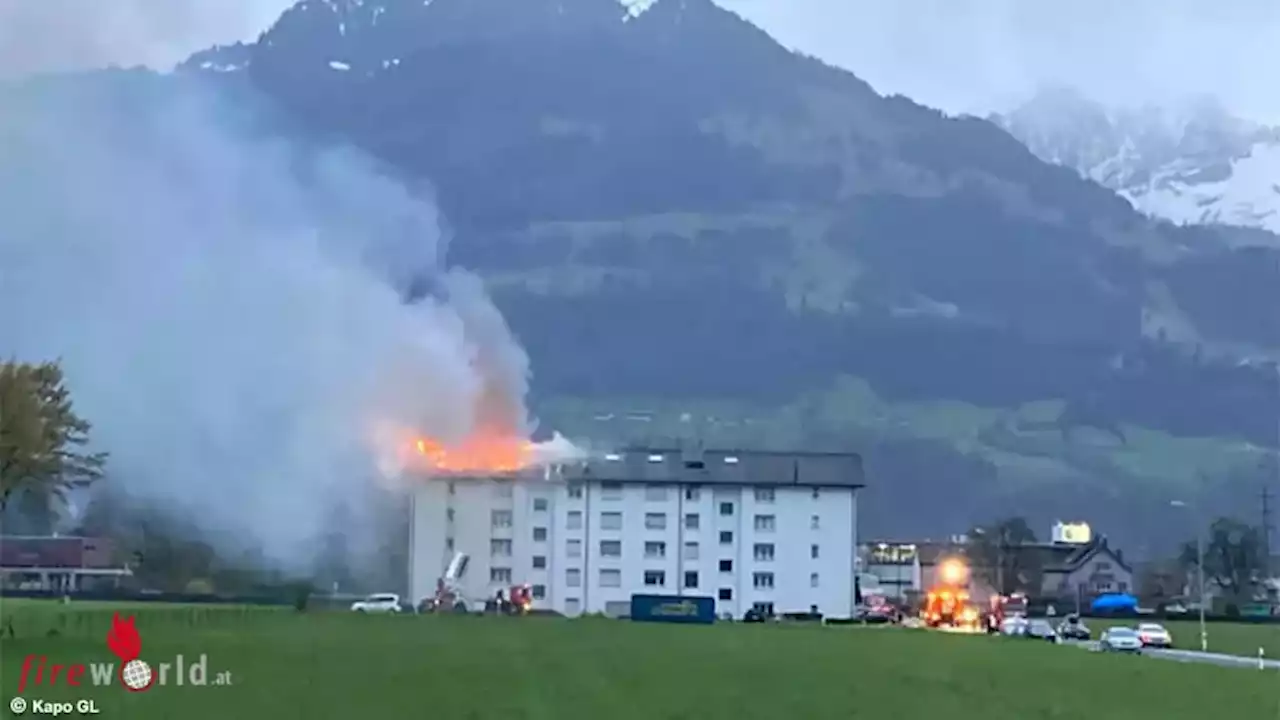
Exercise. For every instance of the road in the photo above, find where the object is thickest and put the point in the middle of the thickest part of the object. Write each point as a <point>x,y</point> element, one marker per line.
<point>1195,656</point>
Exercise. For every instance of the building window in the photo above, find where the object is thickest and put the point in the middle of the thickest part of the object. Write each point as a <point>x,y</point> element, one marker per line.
<point>726,566</point>
<point>692,493</point>
<point>691,521</point>
<point>573,548</point>
<point>655,550</point>
<point>610,578</point>
<point>500,548</point>
<point>539,592</point>
<point>814,523</point>
<point>610,491</point>
<point>691,580</point>
<point>764,552</point>
<point>725,594</point>
<point>765,523</point>
<point>610,548</point>
<point>655,521</point>
<point>573,577</point>
<point>573,520</point>
<point>764,608</point>
<point>500,518</point>
<point>539,562</point>
<point>539,534</point>
<point>655,458</point>
<point>813,579</point>
<point>573,606</point>
<point>762,580</point>
<point>813,551</point>
<point>655,493</point>
<point>655,577</point>
<point>575,491</point>
<point>611,521</point>
<point>539,504</point>
<point>764,495</point>
<point>726,537</point>
<point>500,575</point>
<point>726,508</point>
<point>502,489</point>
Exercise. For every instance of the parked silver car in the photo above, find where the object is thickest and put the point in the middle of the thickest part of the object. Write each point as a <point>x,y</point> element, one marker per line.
<point>1120,639</point>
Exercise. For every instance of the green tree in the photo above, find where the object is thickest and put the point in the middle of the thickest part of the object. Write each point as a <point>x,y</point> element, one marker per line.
<point>1233,557</point>
<point>42,440</point>
<point>1000,555</point>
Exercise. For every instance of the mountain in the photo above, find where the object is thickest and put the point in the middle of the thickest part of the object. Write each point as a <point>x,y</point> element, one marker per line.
<point>1190,164</point>
<point>696,231</point>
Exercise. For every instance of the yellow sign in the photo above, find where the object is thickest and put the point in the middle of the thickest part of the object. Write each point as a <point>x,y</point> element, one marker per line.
<point>1073,533</point>
<point>676,609</point>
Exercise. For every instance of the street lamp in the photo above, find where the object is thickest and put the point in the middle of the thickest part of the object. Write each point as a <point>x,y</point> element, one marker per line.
<point>1204,632</point>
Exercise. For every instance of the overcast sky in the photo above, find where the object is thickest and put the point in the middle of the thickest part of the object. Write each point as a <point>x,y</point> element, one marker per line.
<point>960,55</point>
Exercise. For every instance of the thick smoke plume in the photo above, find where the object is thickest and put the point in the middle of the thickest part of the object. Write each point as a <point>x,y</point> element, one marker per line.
<point>225,307</point>
<point>61,35</point>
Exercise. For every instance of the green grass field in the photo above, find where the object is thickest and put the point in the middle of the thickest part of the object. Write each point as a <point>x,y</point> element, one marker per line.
<point>335,665</point>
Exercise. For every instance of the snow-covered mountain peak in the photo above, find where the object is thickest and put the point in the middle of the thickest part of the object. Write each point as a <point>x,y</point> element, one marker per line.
<point>1190,163</point>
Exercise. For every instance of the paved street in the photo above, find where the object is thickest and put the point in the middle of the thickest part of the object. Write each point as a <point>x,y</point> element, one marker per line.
<point>1195,656</point>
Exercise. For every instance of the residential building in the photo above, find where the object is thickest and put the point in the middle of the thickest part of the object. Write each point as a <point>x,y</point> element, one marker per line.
<point>1080,573</point>
<point>749,528</point>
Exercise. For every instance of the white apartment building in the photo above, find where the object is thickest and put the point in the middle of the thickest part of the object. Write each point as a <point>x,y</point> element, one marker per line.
<point>770,529</point>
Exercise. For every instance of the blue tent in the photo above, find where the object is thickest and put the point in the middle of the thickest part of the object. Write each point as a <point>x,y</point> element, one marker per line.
<point>1114,602</point>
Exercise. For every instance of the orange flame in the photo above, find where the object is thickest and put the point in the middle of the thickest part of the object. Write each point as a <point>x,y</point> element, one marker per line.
<point>480,453</point>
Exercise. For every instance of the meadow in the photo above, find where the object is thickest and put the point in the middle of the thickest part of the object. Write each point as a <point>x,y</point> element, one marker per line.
<point>285,664</point>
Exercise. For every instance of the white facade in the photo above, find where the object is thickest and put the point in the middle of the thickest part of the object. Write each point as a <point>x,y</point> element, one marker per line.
<point>588,545</point>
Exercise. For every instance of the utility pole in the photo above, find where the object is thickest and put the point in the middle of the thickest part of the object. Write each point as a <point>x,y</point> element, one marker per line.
<point>1197,518</point>
<point>1267,563</point>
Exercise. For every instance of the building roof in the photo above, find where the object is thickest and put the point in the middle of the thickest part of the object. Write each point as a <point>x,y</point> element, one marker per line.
<point>699,466</point>
<point>1072,557</point>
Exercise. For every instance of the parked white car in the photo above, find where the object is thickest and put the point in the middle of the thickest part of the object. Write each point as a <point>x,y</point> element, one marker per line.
<point>1120,639</point>
<point>379,603</point>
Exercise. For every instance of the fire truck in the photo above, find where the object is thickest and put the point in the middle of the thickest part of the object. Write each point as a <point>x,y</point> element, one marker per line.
<point>1004,607</point>
<point>517,600</point>
<point>947,604</point>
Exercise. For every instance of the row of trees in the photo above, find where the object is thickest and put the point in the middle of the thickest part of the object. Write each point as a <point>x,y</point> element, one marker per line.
<point>1234,554</point>
<point>44,444</point>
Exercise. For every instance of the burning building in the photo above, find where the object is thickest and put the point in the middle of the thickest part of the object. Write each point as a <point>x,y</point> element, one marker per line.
<point>771,530</point>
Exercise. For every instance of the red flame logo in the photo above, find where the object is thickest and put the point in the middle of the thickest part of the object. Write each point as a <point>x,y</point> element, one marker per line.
<point>123,639</point>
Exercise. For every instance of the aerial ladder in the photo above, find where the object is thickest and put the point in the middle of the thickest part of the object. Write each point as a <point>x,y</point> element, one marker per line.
<point>449,595</point>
